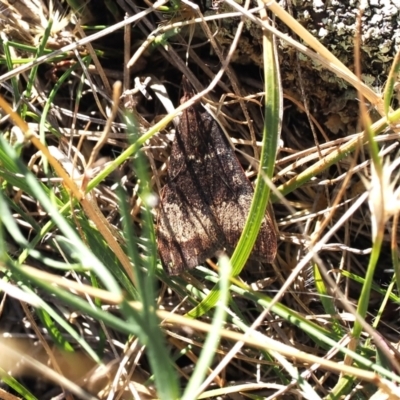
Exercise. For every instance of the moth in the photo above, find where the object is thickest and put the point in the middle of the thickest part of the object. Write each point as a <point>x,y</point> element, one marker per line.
<point>206,200</point>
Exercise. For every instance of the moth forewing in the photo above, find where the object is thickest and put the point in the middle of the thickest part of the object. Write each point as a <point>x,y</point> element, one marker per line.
<point>206,200</point>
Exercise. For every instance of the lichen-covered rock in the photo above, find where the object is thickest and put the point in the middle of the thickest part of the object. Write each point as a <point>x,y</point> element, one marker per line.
<point>333,23</point>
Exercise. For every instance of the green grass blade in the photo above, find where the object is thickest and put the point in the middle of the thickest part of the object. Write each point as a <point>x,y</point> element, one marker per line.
<point>326,299</point>
<point>34,70</point>
<point>213,337</point>
<point>144,271</point>
<point>391,81</point>
<point>45,312</point>
<point>13,383</point>
<point>10,66</point>
<point>51,98</point>
<point>82,253</point>
<point>53,331</point>
<point>273,105</point>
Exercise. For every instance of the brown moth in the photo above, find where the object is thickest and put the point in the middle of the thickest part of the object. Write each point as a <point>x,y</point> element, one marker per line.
<point>206,201</point>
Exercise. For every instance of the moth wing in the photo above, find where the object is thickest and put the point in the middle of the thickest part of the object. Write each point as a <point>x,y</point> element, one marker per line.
<point>187,233</point>
<point>266,244</point>
<point>233,216</point>
<point>233,193</point>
